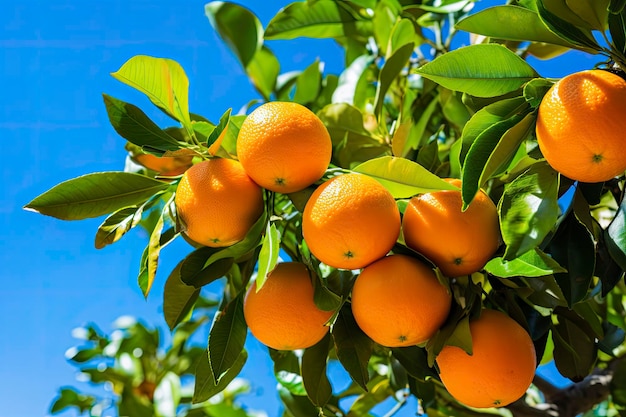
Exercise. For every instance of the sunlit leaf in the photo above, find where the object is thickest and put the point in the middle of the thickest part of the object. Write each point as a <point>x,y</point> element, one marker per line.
<point>388,73</point>
<point>268,256</point>
<point>96,194</point>
<point>205,386</point>
<point>227,337</point>
<point>534,263</point>
<point>69,397</point>
<point>116,225</point>
<point>566,24</point>
<point>178,298</point>
<point>263,71</point>
<point>308,83</point>
<point>352,80</point>
<point>615,236</point>
<point>483,70</point>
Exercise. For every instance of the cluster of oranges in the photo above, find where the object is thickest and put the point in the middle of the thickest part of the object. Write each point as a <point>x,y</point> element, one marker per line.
<point>351,221</point>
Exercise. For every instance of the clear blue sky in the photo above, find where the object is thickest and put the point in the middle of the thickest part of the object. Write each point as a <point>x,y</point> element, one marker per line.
<point>57,56</point>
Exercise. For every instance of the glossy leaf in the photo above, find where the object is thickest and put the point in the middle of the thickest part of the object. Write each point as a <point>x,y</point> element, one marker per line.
<point>617,28</point>
<point>297,405</point>
<point>574,350</point>
<point>263,71</point>
<point>534,263</point>
<point>535,90</point>
<point>483,70</point>
<point>116,225</point>
<point>227,337</point>
<point>353,347</point>
<point>529,209</point>
<point>562,26</point>
<point>377,391</point>
<point>352,81</point>
<point>268,256</point>
<point>308,83</point>
<point>616,6</point>
<point>205,386</point>
<point>178,298</point>
<point>511,22</point>
<point>131,123</point>
<point>314,376</point>
<point>240,29</point>
<point>415,361</point>
<point>388,73</point>
<point>594,12</point>
<point>150,258</point>
<point>615,236</point>
<point>402,177</point>
<point>287,371</point>
<point>96,194</point>
<point>162,80</point>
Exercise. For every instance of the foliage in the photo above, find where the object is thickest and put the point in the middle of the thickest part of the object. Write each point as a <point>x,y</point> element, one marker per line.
<point>410,107</point>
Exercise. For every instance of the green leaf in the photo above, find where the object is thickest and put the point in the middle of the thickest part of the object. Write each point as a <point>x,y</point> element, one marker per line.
<point>574,350</point>
<point>287,371</point>
<point>69,397</point>
<point>227,337</point>
<point>529,209</point>
<point>558,23</point>
<point>297,405</point>
<point>95,194</point>
<point>616,6</point>
<point>353,347</point>
<point>402,177</point>
<point>483,70</point>
<point>402,33</point>
<point>268,256</point>
<point>415,361</point>
<point>534,263</point>
<point>167,395</point>
<point>133,125</point>
<point>314,376</point>
<point>511,23</point>
<point>205,386</point>
<point>535,90</point>
<point>178,298</point>
<point>353,81</point>
<point>316,19</point>
<point>195,271</point>
<point>162,80</point>
<point>493,148</point>
<point>594,12</point>
<point>116,225</point>
<point>308,84</point>
<point>240,29</point>
<point>216,131</point>
<point>417,130</point>
<point>618,384</point>
<point>378,390</point>
<point>617,29</point>
<point>615,236</point>
<point>391,69</point>
<point>263,71</point>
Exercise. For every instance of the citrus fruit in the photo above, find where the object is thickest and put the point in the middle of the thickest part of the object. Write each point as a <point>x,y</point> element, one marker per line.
<point>458,242</point>
<point>168,166</point>
<point>398,301</point>
<point>282,314</point>
<point>350,221</point>
<point>580,126</point>
<point>284,147</point>
<point>217,202</point>
<point>500,368</point>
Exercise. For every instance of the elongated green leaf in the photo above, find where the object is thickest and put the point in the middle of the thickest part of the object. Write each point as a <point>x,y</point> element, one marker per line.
<point>512,23</point>
<point>391,69</point>
<point>205,386</point>
<point>352,80</point>
<point>195,271</point>
<point>287,371</point>
<point>402,177</point>
<point>484,70</point>
<point>617,28</point>
<point>69,397</point>
<point>564,27</point>
<point>268,256</point>
<point>178,298</point>
<point>377,391</point>
<point>133,125</point>
<point>414,360</point>
<point>297,405</point>
<point>574,350</point>
<point>353,347</point>
<point>263,71</point>
<point>162,80</point>
<point>615,236</point>
<point>594,12</point>
<point>308,84</point>
<point>227,337</point>
<point>96,194</point>
<point>616,6</point>
<point>116,225</point>
<point>240,29</point>
<point>314,376</point>
<point>529,209</point>
<point>318,19</point>
<point>416,131</point>
<point>534,263</point>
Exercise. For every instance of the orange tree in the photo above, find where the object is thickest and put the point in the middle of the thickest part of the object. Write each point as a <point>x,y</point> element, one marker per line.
<point>419,120</point>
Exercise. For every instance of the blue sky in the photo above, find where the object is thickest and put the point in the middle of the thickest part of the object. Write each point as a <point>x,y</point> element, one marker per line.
<point>57,56</point>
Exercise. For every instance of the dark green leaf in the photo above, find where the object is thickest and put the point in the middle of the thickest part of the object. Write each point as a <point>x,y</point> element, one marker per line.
<point>227,337</point>
<point>240,29</point>
<point>615,236</point>
<point>483,70</point>
<point>308,84</point>
<point>69,397</point>
<point>535,89</point>
<point>178,298</point>
<point>529,209</point>
<point>574,350</point>
<point>298,405</point>
<point>131,404</point>
<point>133,125</point>
<point>150,259</point>
<point>391,69</point>
<point>217,130</point>
<point>287,371</point>
<point>194,271</point>
<point>618,384</point>
<point>263,71</point>
<point>353,347</point>
<point>268,256</point>
<point>565,29</point>
<point>616,6</point>
<point>116,225</point>
<point>415,361</point>
<point>534,263</point>
<point>314,376</point>
<point>96,194</point>
<point>205,386</point>
<point>378,390</point>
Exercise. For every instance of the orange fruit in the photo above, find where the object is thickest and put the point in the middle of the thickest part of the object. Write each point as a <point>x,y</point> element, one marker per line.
<point>458,242</point>
<point>282,314</point>
<point>217,202</point>
<point>284,147</point>
<point>398,301</point>
<point>580,126</point>
<point>500,369</point>
<point>168,166</point>
<point>350,221</point>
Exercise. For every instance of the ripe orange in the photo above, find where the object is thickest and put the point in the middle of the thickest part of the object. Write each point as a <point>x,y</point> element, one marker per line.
<point>398,301</point>
<point>282,314</point>
<point>500,369</point>
<point>580,126</point>
<point>168,166</point>
<point>458,242</point>
<point>284,147</point>
<point>217,202</point>
<point>350,221</point>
